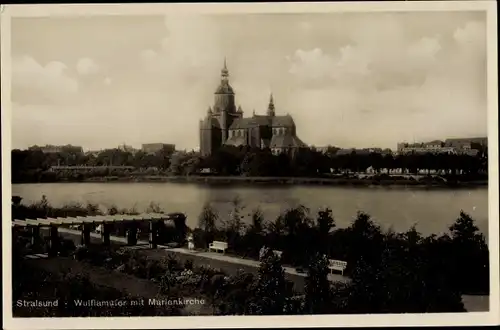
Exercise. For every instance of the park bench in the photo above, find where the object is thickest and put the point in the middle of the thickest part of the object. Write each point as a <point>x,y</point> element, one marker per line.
<point>218,246</point>
<point>337,265</point>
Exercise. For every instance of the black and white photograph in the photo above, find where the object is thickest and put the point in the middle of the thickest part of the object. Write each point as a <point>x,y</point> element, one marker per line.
<point>166,163</point>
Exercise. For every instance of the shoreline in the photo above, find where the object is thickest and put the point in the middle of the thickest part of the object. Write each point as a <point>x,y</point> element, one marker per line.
<point>230,180</point>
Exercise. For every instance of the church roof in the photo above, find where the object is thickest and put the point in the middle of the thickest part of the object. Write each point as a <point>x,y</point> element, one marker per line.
<point>250,122</point>
<point>262,120</point>
<point>286,141</point>
<point>256,120</point>
<point>241,123</point>
<point>283,121</point>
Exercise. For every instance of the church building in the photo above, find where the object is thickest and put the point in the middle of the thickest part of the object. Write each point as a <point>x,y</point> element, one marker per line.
<point>224,124</point>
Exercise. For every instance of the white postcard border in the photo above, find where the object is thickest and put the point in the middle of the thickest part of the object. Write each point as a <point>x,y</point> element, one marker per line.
<point>486,318</point>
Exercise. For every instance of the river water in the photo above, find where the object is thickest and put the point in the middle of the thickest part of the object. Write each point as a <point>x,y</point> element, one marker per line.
<point>431,210</point>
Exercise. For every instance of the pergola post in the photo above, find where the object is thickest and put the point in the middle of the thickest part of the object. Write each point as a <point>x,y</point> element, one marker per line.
<point>153,234</point>
<point>132,234</point>
<point>54,242</point>
<point>105,234</point>
<point>85,235</point>
<point>35,235</point>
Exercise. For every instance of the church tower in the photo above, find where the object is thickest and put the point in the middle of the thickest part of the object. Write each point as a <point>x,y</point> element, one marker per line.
<point>224,106</point>
<point>208,134</point>
<point>270,107</point>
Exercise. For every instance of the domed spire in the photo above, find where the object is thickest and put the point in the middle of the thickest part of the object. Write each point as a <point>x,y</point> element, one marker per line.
<point>224,71</point>
<point>270,107</point>
<point>239,109</point>
<point>224,87</point>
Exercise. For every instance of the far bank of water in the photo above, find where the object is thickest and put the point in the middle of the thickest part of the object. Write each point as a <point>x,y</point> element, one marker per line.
<point>431,210</point>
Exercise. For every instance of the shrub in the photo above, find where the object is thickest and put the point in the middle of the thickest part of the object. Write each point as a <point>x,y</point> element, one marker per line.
<point>66,247</point>
<point>199,238</point>
<point>188,264</point>
<point>81,253</point>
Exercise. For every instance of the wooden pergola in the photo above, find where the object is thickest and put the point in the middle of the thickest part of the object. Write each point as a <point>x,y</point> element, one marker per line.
<point>86,225</point>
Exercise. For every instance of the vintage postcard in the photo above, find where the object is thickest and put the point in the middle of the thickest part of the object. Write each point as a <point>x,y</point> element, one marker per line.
<point>264,164</point>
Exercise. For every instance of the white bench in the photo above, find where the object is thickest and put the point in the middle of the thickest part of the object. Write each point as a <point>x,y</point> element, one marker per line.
<point>337,265</point>
<point>218,246</point>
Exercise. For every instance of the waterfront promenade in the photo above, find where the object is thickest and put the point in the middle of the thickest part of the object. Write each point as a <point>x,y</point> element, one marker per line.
<point>228,263</point>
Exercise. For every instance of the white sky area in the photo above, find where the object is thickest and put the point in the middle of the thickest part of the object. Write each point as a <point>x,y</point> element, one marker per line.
<point>348,79</point>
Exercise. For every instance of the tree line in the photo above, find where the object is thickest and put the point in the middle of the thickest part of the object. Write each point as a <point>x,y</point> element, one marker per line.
<point>438,261</point>
<point>310,162</point>
<point>33,165</point>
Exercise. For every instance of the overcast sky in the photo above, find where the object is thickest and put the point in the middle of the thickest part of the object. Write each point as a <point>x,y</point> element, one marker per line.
<point>350,80</point>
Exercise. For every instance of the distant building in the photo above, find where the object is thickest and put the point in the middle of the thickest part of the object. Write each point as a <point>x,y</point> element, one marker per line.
<point>83,168</point>
<point>467,143</point>
<point>450,146</point>
<point>469,152</point>
<point>127,148</point>
<point>323,150</point>
<point>434,147</point>
<point>363,151</point>
<point>93,153</point>
<point>151,148</point>
<point>326,150</point>
<point>436,144</point>
<point>58,149</point>
<point>349,151</point>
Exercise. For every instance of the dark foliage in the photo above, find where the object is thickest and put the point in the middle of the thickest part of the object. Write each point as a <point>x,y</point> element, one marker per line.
<point>390,272</point>
<point>34,165</point>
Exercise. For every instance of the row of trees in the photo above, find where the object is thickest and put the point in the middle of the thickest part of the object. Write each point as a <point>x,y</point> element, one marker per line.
<point>364,245</point>
<point>34,165</point>
<point>31,165</point>
<point>37,159</point>
<point>370,291</point>
<point>310,162</point>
